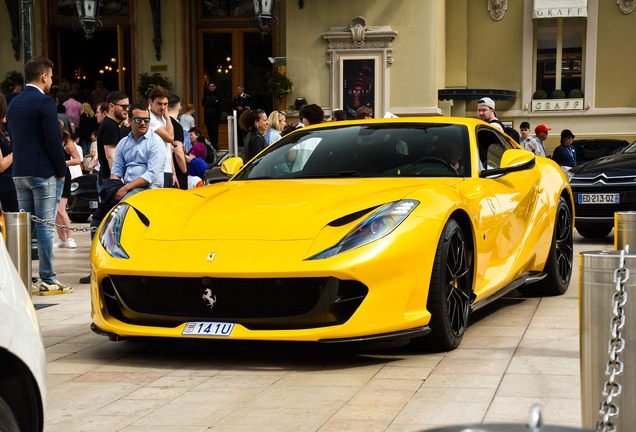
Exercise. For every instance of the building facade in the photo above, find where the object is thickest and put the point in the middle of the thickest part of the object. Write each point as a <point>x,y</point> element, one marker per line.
<point>407,57</point>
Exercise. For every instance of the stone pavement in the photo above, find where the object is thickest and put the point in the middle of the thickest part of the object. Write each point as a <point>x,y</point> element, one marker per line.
<point>517,352</point>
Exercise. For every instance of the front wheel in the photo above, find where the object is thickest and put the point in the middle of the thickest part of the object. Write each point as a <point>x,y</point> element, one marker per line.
<point>450,289</point>
<point>8,423</point>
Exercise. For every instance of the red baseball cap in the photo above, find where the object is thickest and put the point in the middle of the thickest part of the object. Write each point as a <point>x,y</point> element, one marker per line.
<point>541,128</point>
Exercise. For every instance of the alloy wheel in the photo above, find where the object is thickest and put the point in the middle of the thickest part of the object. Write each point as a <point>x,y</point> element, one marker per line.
<point>457,286</point>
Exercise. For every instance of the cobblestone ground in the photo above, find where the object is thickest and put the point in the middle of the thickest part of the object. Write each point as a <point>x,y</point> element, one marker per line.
<point>517,352</point>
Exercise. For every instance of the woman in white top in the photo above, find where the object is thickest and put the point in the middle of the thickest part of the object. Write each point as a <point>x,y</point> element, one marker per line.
<point>186,119</point>
<point>277,123</point>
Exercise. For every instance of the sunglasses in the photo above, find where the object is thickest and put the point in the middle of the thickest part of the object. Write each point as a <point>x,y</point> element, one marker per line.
<point>124,107</point>
<point>141,119</point>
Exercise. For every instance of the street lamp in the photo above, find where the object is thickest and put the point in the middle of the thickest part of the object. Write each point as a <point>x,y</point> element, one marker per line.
<point>87,16</point>
<point>264,14</point>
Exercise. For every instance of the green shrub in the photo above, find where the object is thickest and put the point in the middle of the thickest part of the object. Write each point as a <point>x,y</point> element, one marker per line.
<point>540,94</point>
<point>278,84</point>
<point>10,79</point>
<point>147,82</point>
<point>557,94</point>
<point>576,93</point>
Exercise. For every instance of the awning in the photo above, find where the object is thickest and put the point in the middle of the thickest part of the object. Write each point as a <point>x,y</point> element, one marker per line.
<point>476,94</point>
<point>559,8</point>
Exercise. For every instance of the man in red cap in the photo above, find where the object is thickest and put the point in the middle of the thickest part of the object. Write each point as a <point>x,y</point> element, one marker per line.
<point>541,133</point>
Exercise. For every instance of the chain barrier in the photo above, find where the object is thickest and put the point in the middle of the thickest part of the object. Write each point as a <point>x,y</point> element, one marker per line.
<point>63,227</point>
<point>616,345</point>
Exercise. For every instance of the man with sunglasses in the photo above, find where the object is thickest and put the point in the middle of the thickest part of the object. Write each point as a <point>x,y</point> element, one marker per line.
<point>109,134</point>
<point>139,157</point>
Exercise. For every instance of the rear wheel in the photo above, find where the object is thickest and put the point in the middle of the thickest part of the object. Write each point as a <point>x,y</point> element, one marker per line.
<point>593,231</point>
<point>450,290</point>
<point>559,264</point>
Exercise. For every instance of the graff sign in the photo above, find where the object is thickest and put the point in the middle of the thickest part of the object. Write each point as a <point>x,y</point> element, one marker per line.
<point>557,104</point>
<point>560,12</point>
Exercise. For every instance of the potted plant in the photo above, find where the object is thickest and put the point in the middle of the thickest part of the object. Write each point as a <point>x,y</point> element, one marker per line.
<point>147,82</point>
<point>278,85</point>
<point>10,79</point>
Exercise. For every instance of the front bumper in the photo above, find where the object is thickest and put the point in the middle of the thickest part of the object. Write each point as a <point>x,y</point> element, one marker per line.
<point>378,289</point>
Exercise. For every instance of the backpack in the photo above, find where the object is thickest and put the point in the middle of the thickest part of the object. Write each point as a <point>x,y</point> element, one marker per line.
<point>210,153</point>
<point>512,133</point>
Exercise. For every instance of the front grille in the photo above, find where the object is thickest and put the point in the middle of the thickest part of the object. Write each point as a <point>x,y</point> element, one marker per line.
<point>257,303</point>
<point>236,298</point>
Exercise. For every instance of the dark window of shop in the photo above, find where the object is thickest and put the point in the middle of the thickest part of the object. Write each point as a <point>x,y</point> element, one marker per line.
<point>227,8</point>
<point>560,44</point>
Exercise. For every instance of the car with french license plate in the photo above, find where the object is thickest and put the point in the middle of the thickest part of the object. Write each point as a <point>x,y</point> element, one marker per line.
<point>601,188</point>
<point>83,200</point>
<point>376,231</point>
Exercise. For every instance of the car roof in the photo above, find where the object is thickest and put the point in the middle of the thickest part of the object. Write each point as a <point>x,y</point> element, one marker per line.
<point>470,122</point>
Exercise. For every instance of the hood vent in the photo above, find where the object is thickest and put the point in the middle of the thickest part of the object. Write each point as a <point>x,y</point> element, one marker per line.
<point>351,217</point>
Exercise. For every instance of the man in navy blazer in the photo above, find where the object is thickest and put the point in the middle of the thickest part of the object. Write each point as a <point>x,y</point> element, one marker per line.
<point>39,164</point>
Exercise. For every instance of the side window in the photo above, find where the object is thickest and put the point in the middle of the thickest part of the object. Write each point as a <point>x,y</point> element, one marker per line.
<point>491,148</point>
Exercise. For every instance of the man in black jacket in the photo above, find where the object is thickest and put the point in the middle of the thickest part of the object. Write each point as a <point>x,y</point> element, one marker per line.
<point>242,101</point>
<point>212,114</point>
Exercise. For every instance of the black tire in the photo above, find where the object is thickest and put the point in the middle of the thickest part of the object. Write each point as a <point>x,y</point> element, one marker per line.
<point>559,263</point>
<point>8,423</point>
<point>450,290</point>
<point>78,218</point>
<point>594,231</point>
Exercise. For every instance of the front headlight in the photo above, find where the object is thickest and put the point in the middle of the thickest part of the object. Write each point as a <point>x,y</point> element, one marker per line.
<point>569,176</point>
<point>377,225</point>
<point>110,236</point>
<point>74,186</point>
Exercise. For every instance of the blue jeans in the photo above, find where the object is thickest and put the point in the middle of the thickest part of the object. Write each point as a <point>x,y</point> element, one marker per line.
<point>41,196</point>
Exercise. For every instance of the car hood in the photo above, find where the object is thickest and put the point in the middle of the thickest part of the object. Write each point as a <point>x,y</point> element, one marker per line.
<point>617,165</point>
<point>266,209</point>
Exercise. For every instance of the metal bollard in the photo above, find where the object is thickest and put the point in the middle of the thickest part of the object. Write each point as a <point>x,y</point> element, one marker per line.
<point>19,244</point>
<point>624,229</point>
<point>534,425</point>
<point>597,288</point>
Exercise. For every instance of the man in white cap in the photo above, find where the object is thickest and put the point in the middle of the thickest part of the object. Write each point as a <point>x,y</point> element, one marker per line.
<point>486,112</point>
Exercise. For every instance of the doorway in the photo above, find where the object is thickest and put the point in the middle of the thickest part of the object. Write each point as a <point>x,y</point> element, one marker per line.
<point>229,57</point>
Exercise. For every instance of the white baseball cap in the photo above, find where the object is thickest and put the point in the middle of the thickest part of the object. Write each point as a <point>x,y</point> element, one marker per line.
<point>486,101</point>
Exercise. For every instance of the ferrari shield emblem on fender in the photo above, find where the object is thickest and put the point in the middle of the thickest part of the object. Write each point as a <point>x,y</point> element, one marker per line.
<point>211,256</point>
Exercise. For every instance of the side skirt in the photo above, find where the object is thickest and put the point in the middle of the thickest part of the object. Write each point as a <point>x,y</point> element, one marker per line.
<point>524,279</point>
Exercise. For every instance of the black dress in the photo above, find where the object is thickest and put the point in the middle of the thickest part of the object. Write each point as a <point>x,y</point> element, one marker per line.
<point>8,195</point>
<point>66,192</point>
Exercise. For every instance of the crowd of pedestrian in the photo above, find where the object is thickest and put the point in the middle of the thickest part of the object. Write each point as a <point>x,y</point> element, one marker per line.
<point>48,131</point>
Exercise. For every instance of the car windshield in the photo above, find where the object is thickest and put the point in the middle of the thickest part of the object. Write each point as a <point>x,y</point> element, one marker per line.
<point>630,148</point>
<point>366,150</point>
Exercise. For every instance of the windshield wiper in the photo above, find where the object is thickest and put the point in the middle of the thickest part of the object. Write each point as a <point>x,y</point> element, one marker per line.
<point>338,174</point>
<point>259,178</point>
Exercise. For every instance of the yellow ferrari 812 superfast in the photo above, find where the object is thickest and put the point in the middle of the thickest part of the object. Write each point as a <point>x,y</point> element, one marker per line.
<point>367,231</point>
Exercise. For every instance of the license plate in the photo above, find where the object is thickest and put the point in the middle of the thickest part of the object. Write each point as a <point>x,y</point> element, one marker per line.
<point>609,198</point>
<point>93,204</point>
<point>208,328</point>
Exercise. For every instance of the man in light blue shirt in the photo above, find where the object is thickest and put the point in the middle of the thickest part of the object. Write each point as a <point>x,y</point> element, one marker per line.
<point>139,157</point>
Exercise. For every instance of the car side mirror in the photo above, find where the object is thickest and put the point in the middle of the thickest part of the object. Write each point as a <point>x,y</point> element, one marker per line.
<point>515,157</point>
<point>512,160</point>
<point>232,166</point>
